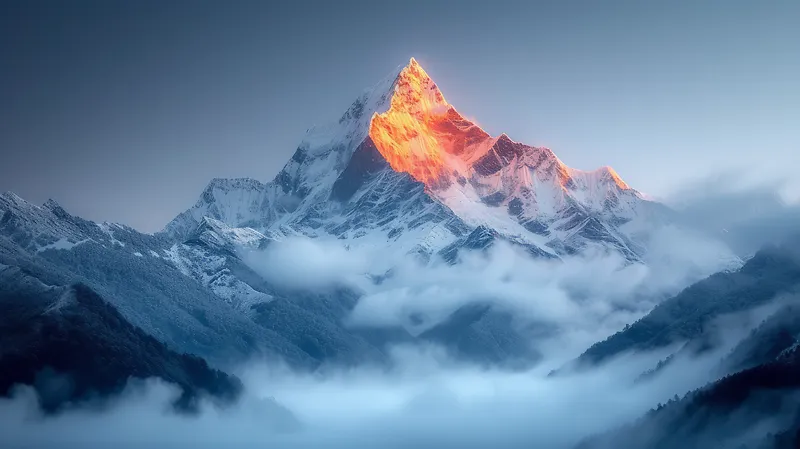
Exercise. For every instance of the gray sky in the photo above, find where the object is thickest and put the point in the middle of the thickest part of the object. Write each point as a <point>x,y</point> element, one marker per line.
<point>123,111</point>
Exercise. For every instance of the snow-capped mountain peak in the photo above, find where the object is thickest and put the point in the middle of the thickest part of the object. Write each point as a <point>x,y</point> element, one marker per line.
<point>423,135</point>
<point>236,202</point>
<point>403,136</point>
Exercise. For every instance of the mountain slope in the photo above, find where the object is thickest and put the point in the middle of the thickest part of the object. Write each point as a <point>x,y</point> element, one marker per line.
<point>753,409</point>
<point>137,273</point>
<point>196,296</point>
<point>777,334</point>
<point>772,271</point>
<point>90,350</point>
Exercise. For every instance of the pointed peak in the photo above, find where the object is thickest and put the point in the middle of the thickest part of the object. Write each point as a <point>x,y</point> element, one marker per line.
<point>234,184</point>
<point>420,131</point>
<point>604,174</point>
<point>13,197</point>
<point>414,67</point>
<point>614,176</point>
<point>56,209</point>
<point>503,137</point>
<point>51,204</point>
<point>414,76</point>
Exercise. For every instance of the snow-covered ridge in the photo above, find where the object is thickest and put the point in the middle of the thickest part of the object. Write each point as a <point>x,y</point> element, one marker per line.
<point>206,256</point>
<point>40,228</point>
<point>233,201</point>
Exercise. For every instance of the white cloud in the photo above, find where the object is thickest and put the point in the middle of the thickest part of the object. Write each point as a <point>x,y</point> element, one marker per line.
<point>299,262</point>
<point>585,297</point>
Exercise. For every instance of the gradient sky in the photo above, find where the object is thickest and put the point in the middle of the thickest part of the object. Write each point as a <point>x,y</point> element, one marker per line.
<point>123,111</point>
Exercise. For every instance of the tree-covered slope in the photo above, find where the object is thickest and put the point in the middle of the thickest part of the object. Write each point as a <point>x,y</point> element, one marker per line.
<point>73,346</point>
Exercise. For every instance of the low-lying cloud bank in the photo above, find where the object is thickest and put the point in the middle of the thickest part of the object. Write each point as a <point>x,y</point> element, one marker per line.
<point>427,401</point>
<point>581,299</point>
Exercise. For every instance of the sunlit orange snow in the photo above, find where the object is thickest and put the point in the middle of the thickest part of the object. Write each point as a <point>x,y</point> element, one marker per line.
<point>617,180</point>
<point>422,135</point>
<point>421,129</point>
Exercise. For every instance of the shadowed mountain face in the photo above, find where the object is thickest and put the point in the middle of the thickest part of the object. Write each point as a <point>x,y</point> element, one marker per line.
<point>73,347</point>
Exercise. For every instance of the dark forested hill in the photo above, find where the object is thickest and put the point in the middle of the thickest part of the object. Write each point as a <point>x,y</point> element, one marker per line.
<point>73,346</point>
<point>758,408</point>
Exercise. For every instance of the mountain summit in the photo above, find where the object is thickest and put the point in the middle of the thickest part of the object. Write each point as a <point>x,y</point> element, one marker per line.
<point>421,134</point>
<point>403,168</point>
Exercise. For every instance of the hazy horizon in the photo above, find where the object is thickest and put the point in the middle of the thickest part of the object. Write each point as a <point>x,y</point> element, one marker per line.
<point>124,112</point>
